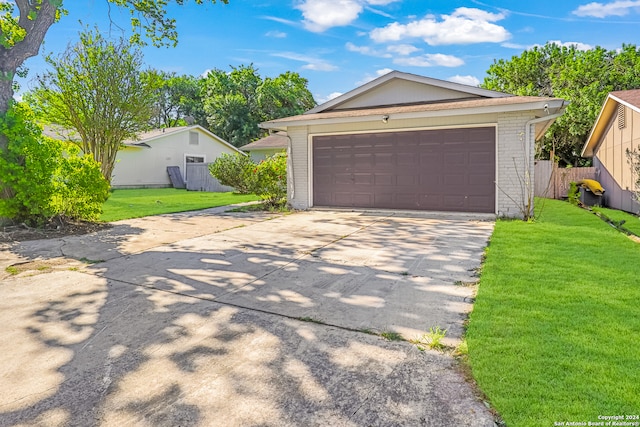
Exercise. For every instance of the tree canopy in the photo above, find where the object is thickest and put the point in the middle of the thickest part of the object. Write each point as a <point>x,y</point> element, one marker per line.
<point>24,24</point>
<point>97,89</point>
<point>177,100</point>
<point>582,77</point>
<point>236,102</point>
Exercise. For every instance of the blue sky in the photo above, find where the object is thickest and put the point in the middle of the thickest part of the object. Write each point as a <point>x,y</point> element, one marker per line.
<point>340,44</point>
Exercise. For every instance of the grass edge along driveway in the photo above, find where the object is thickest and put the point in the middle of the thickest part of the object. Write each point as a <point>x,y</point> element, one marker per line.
<point>137,203</point>
<point>554,336</point>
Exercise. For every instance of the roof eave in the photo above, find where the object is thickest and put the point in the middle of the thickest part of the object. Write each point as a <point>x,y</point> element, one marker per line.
<point>553,104</point>
<point>600,127</point>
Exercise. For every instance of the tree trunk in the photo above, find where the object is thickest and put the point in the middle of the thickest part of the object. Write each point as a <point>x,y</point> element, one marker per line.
<point>14,56</point>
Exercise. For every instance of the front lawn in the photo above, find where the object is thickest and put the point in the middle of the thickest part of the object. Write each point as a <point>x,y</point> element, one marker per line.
<point>125,204</point>
<point>555,331</point>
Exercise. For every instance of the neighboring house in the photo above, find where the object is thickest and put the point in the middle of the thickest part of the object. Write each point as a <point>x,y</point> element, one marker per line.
<point>616,130</point>
<point>267,146</point>
<point>143,163</point>
<point>404,141</point>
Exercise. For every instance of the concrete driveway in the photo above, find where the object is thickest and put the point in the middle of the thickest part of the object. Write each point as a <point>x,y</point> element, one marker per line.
<point>216,318</point>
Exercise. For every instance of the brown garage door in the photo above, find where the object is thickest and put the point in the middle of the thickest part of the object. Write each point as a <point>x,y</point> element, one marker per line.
<point>440,170</point>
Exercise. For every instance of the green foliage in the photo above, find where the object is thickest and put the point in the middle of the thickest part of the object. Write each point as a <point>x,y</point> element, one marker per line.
<point>236,102</point>
<point>80,188</point>
<point>574,194</point>
<point>97,89</point>
<point>234,170</point>
<point>177,100</point>
<point>43,177</point>
<point>633,159</point>
<point>267,179</point>
<point>270,181</point>
<point>432,339</point>
<point>582,77</point>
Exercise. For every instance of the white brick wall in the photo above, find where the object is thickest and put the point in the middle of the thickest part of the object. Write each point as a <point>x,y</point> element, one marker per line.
<point>515,162</point>
<point>511,164</point>
<point>299,162</point>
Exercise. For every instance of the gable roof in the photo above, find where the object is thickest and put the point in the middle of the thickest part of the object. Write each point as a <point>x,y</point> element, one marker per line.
<point>458,90</point>
<point>145,138</point>
<point>628,98</point>
<point>142,139</point>
<point>273,141</point>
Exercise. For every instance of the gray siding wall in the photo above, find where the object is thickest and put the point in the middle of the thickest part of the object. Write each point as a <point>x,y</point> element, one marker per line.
<point>614,196</point>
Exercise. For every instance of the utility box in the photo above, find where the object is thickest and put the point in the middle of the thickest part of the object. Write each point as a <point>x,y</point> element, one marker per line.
<point>589,199</point>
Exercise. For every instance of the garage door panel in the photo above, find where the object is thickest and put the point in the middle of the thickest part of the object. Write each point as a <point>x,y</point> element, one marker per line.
<point>342,179</point>
<point>386,179</point>
<point>447,170</point>
<point>363,199</point>
<point>363,179</point>
<point>407,180</point>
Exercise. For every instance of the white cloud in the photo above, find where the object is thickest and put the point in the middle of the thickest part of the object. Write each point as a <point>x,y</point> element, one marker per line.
<point>366,50</point>
<point>312,63</point>
<point>465,80</point>
<point>389,52</point>
<point>430,60</point>
<point>368,77</point>
<point>578,45</point>
<point>602,10</point>
<point>276,34</point>
<point>281,20</point>
<point>402,49</point>
<point>464,26</point>
<point>320,15</point>
<point>515,46</point>
<point>322,100</point>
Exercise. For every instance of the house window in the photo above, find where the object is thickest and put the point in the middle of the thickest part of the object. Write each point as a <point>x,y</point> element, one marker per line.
<point>193,138</point>
<point>194,159</point>
<point>621,117</point>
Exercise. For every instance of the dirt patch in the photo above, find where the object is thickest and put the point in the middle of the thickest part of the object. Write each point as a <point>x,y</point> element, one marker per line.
<point>52,230</point>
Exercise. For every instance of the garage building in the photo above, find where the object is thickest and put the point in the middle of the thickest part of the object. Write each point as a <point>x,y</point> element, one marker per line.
<point>411,142</point>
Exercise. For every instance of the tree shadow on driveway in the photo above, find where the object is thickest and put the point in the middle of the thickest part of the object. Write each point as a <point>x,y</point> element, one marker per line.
<point>148,339</point>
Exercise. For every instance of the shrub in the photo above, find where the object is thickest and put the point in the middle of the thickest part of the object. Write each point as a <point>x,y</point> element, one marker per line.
<point>234,170</point>
<point>42,178</point>
<point>270,181</point>
<point>573,195</point>
<point>267,179</point>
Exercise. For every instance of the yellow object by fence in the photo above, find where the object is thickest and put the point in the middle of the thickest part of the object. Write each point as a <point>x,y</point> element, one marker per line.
<point>592,185</point>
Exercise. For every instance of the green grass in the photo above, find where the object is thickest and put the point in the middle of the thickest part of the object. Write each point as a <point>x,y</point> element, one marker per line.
<point>126,204</point>
<point>631,222</point>
<point>554,333</point>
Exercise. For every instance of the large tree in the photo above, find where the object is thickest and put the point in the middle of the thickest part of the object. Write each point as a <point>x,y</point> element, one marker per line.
<point>177,100</point>
<point>97,89</point>
<point>236,102</point>
<point>24,24</point>
<point>582,77</point>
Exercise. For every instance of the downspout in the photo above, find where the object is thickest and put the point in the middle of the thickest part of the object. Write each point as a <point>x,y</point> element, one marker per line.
<point>291,175</point>
<point>527,136</point>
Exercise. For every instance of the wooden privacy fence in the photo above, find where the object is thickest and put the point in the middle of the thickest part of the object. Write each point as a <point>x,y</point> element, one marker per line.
<point>554,182</point>
<point>199,179</point>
